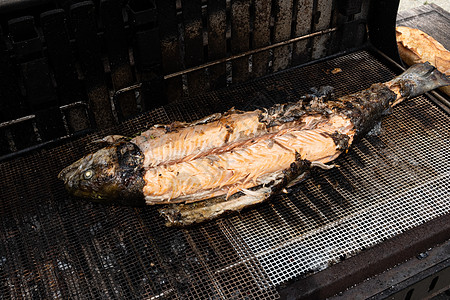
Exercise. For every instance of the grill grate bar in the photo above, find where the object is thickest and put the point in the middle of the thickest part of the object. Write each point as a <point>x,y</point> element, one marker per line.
<point>393,180</point>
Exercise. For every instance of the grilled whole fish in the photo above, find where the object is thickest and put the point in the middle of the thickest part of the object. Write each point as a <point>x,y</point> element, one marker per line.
<point>229,161</point>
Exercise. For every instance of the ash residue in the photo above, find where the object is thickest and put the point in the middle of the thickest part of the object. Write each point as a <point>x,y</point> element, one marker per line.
<point>377,130</point>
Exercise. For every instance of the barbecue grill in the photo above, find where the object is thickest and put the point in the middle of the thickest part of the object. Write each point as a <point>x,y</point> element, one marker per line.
<point>73,72</point>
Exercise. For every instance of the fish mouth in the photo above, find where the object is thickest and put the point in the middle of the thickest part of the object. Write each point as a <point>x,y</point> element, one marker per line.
<point>67,175</point>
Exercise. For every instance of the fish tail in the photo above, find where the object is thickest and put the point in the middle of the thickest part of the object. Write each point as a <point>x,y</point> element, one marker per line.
<point>417,80</point>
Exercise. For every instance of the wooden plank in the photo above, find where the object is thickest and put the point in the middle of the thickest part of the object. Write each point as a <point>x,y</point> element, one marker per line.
<point>5,147</point>
<point>193,45</point>
<point>170,47</point>
<point>217,43</point>
<point>85,31</point>
<point>142,17</point>
<point>60,56</point>
<point>23,134</point>
<point>50,123</point>
<point>323,20</point>
<point>348,8</point>
<point>117,46</point>
<point>282,32</point>
<point>168,29</point>
<point>301,52</point>
<point>261,37</point>
<point>362,15</point>
<point>77,118</point>
<point>27,45</point>
<point>37,82</point>
<point>240,38</point>
<point>361,30</point>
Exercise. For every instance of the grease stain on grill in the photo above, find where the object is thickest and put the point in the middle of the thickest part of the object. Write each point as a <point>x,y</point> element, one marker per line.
<point>376,141</point>
<point>311,212</point>
<point>382,154</point>
<point>356,158</point>
<point>270,217</point>
<point>364,149</point>
<point>419,116</point>
<point>289,214</point>
<point>340,176</point>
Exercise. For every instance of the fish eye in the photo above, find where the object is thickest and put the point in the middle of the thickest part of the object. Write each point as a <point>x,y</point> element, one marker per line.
<point>88,174</point>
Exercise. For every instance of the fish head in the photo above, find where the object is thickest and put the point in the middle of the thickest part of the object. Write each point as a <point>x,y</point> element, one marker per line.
<point>113,174</point>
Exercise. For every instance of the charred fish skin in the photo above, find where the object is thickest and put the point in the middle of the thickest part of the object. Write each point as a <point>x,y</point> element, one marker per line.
<point>366,107</point>
<point>112,175</point>
<point>236,159</point>
<point>181,215</point>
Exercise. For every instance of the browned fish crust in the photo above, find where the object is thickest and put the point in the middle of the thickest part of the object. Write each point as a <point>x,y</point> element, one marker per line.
<point>225,162</point>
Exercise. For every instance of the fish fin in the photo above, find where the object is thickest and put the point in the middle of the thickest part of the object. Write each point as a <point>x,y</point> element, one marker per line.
<point>178,124</point>
<point>232,190</point>
<point>418,79</point>
<point>207,119</point>
<point>233,111</point>
<point>173,126</point>
<point>110,139</point>
<point>258,193</point>
<point>236,188</point>
<point>302,176</point>
<point>189,214</point>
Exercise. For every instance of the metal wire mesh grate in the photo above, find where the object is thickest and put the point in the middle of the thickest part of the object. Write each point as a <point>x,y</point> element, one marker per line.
<point>55,246</point>
<point>389,183</point>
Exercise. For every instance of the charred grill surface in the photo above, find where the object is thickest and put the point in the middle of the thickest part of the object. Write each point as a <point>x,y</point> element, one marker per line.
<point>392,180</point>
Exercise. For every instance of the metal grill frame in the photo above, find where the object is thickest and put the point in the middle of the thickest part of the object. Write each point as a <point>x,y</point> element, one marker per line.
<point>107,237</point>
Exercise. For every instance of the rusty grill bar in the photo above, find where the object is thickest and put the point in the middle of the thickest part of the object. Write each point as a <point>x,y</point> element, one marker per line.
<point>393,180</point>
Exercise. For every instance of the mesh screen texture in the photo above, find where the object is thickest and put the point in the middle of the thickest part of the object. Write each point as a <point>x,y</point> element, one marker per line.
<point>396,178</point>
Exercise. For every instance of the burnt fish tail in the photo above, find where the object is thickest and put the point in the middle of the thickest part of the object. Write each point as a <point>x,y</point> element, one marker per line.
<point>319,131</point>
<point>237,159</point>
<point>367,107</point>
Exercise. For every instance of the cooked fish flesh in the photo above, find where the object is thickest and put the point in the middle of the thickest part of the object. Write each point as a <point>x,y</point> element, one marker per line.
<point>229,161</point>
